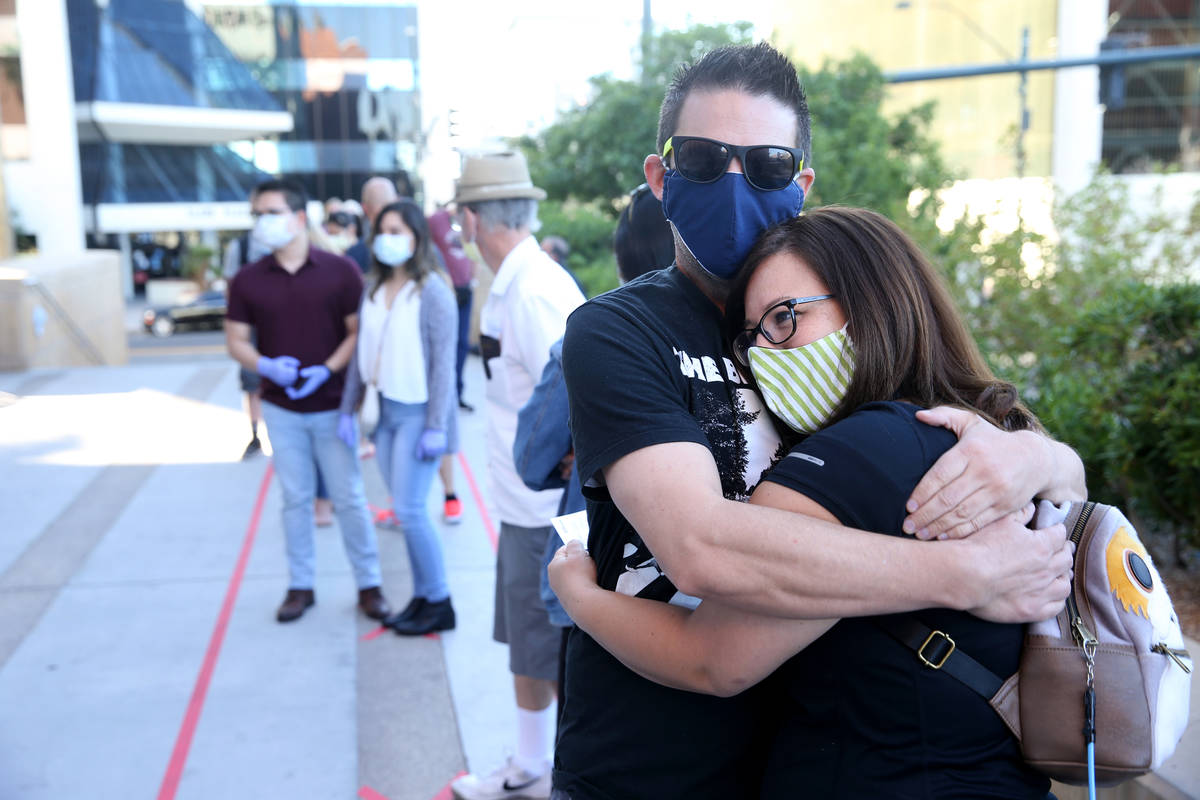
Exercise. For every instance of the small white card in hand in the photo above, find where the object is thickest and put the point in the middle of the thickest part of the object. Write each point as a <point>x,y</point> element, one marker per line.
<point>572,526</point>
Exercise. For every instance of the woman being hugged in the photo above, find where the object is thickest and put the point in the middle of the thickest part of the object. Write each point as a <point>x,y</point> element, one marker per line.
<point>407,336</point>
<point>848,332</point>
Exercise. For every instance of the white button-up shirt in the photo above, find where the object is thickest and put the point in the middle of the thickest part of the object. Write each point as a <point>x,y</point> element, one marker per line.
<point>526,310</point>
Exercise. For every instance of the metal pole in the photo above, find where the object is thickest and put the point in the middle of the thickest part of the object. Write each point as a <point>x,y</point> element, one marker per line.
<point>1023,94</point>
<point>1141,55</point>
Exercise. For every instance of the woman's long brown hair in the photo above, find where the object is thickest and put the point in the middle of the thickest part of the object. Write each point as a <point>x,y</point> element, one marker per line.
<point>910,342</point>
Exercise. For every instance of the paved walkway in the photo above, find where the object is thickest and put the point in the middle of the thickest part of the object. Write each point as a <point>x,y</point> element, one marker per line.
<point>140,567</point>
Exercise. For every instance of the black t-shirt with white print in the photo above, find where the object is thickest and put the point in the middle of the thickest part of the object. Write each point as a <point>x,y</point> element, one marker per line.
<point>647,364</point>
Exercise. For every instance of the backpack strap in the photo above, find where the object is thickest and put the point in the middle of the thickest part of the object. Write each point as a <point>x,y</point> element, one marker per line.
<point>936,650</point>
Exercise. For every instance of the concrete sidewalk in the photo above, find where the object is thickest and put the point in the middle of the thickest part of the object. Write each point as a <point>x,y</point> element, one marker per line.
<point>126,513</point>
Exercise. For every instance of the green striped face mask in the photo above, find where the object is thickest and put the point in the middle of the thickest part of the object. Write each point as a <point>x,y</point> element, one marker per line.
<point>803,385</point>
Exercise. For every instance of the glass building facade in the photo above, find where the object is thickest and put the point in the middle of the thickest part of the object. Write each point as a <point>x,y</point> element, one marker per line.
<point>349,76</point>
<point>157,53</point>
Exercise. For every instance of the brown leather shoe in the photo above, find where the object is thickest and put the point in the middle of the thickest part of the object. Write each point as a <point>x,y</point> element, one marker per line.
<point>295,604</point>
<point>373,603</point>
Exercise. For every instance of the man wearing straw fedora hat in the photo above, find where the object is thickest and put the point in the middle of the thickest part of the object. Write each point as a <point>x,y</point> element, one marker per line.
<point>525,313</point>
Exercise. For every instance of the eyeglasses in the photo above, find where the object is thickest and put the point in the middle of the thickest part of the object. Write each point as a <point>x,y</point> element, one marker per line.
<point>777,325</point>
<point>768,167</point>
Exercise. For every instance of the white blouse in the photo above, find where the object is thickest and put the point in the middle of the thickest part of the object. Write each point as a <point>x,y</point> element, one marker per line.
<point>392,338</point>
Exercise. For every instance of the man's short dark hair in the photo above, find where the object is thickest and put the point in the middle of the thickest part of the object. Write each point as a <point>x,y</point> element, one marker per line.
<point>293,193</point>
<point>754,69</point>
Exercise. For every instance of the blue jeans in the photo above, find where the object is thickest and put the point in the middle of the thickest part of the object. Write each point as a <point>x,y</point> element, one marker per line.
<point>409,479</point>
<point>301,442</point>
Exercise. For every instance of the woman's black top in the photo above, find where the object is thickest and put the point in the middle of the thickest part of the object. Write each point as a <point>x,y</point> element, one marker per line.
<point>861,717</point>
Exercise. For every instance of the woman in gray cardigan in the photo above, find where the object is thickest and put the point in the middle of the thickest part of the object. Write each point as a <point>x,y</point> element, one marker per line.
<point>407,334</point>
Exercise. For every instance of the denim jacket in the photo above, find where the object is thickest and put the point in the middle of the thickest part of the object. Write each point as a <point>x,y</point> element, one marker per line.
<point>543,439</point>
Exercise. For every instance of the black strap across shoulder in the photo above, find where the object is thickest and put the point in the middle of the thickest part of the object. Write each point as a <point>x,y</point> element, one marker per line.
<point>936,650</point>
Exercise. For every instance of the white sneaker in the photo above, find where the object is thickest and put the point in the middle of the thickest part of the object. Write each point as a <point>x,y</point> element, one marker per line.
<point>509,782</point>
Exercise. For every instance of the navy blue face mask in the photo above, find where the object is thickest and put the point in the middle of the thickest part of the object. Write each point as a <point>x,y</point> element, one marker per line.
<point>720,221</point>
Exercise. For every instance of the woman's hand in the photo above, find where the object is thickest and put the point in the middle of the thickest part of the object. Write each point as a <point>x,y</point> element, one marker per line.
<point>572,575</point>
<point>988,474</point>
<point>347,431</point>
<point>431,445</point>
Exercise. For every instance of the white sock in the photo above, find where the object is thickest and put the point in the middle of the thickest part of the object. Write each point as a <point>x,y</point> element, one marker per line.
<point>535,739</point>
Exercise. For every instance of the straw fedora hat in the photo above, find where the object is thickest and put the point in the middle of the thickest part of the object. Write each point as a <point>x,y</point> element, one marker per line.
<point>496,176</point>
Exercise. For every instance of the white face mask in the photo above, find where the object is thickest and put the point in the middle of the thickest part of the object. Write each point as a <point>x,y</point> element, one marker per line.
<point>804,385</point>
<point>273,231</point>
<point>393,249</point>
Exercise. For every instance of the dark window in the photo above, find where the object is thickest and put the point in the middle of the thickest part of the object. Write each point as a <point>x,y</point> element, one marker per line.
<point>1156,121</point>
<point>142,173</point>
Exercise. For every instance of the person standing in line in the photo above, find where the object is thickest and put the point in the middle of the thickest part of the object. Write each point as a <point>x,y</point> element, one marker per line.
<point>245,249</point>
<point>302,304</point>
<point>670,439</point>
<point>377,192</point>
<point>542,449</point>
<point>462,274</point>
<point>525,313</point>
<point>342,230</point>
<point>406,352</point>
<point>557,248</point>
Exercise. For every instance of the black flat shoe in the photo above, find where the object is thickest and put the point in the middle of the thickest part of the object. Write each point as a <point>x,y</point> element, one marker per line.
<point>411,610</point>
<point>252,449</point>
<point>430,617</point>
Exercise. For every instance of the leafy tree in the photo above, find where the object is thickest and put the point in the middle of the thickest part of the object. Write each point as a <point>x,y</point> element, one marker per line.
<point>591,158</point>
<point>863,157</point>
<point>594,152</point>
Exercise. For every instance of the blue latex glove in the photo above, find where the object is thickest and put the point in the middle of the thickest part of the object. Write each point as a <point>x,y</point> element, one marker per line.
<point>347,431</point>
<point>431,444</point>
<point>313,376</point>
<point>281,369</point>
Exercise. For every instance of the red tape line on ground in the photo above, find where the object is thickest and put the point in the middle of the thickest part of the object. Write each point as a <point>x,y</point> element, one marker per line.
<point>183,742</point>
<point>375,634</point>
<point>367,793</point>
<point>487,521</point>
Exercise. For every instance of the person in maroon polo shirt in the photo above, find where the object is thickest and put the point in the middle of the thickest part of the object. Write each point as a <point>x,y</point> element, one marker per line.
<point>303,305</point>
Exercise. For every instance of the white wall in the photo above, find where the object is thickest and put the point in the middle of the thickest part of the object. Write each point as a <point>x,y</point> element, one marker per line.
<point>46,192</point>
<point>1078,115</point>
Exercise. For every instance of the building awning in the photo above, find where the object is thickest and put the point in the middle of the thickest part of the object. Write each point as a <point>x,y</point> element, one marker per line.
<point>152,72</point>
<point>162,124</point>
<point>155,217</point>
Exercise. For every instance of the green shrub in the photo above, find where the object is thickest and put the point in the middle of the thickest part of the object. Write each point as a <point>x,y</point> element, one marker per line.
<point>1121,383</point>
<point>588,229</point>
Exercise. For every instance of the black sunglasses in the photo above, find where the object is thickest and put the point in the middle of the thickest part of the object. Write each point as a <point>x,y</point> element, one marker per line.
<point>766,166</point>
<point>777,325</point>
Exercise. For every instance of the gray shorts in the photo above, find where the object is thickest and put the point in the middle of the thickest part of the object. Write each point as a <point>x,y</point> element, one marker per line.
<point>521,621</point>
